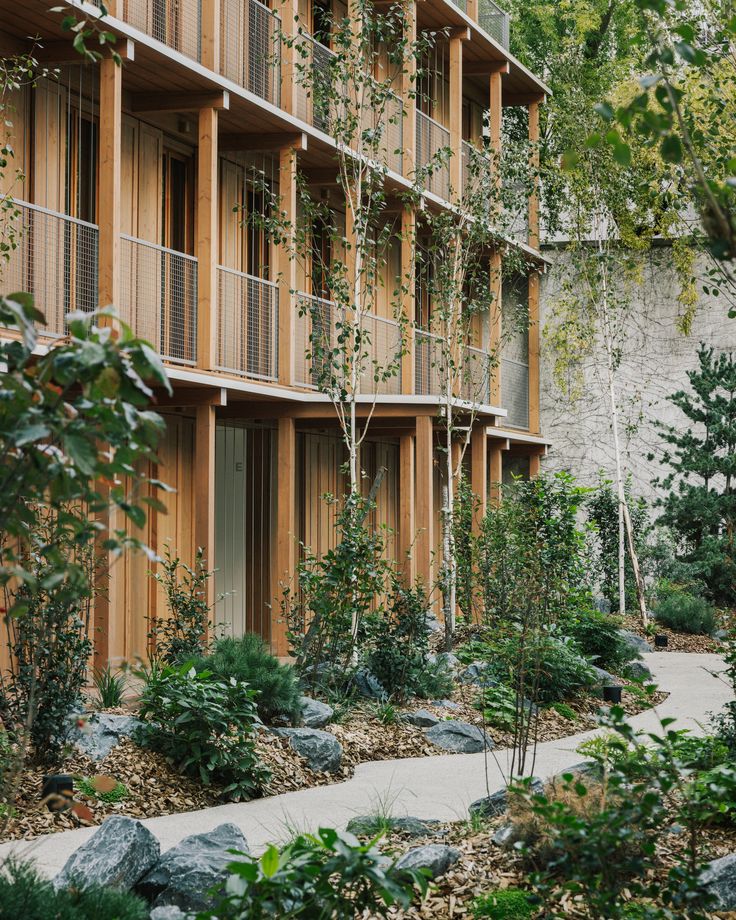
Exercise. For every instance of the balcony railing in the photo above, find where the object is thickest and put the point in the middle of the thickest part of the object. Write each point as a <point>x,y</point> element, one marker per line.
<point>247,325</point>
<point>477,172</point>
<point>493,20</point>
<point>515,392</point>
<point>391,143</point>
<point>250,47</point>
<point>476,377</point>
<point>55,259</point>
<point>176,23</point>
<point>433,137</point>
<point>427,356</point>
<point>315,331</point>
<point>313,65</point>
<point>158,297</point>
<point>517,212</point>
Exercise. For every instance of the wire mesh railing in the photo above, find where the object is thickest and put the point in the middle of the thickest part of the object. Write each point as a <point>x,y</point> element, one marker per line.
<point>427,361</point>
<point>495,21</point>
<point>158,297</point>
<point>517,211</point>
<point>54,258</point>
<point>386,119</point>
<point>476,376</point>
<point>250,47</point>
<point>515,392</point>
<point>432,140</point>
<point>314,334</point>
<point>382,349</point>
<point>247,325</point>
<point>477,174</point>
<point>315,96</point>
<point>176,23</point>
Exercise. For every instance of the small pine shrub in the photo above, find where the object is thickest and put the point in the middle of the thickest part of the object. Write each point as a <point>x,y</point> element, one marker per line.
<point>687,613</point>
<point>24,893</point>
<point>509,904</point>
<point>248,659</point>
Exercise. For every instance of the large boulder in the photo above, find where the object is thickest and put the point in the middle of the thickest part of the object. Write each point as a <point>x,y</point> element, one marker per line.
<point>321,750</point>
<point>436,857</point>
<point>422,718</point>
<point>368,686</point>
<point>490,806</point>
<point>604,678</point>
<point>186,873</point>
<point>168,913</point>
<point>117,855</point>
<point>446,660</point>
<point>478,672</point>
<point>719,880</point>
<point>637,670</point>
<point>315,713</point>
<point>462,737</point>
<point>101,732</point>
<point>636,643</point>
<point>370,825</point>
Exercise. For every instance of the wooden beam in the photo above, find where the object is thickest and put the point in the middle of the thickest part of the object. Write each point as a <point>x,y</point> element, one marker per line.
<point>534,167</point>
<point>323,176</point>
<point>286,536</point>
<point>485,68</point>
<point>534,465</point>
<point>208,214</point>
<point>62,51</point>
<point>243,142</point>
<point>179,102</point>
<point>204,490</point>
<point>103,581</point>
<point>210,34</point>
<point>408,297</point>
<point>408,93</point>
<point>323,410</point>
<point>190,397</point>
<point>286,264</point>
<point>510,99</point>
<point>289,12</point>
<point>495,463</point>
<point>407,526</point>
<point>456,118</point>
<point>479,473</point>
<point>110,166</point>
<point>424,507</point>
<point>461,33</point>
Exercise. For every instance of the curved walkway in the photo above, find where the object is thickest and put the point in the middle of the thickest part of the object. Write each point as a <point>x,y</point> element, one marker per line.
<point>438,787</point>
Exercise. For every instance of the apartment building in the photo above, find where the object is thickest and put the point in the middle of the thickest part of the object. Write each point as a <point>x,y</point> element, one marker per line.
<point>135,179</point>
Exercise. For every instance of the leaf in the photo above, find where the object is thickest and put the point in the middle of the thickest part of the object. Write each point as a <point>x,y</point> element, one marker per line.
<point>82,452</point>
<point>671,149</point>
<point>270,862</point>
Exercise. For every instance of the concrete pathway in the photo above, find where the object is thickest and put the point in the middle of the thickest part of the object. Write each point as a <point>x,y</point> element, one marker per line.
<point>439,787</point>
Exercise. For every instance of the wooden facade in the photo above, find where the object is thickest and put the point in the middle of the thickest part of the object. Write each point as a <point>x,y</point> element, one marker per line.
<point>133,182</point>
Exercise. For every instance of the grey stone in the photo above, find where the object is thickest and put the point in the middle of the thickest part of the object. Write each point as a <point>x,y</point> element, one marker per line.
<point>496,803</point>
<point>367,685</point>
<point>478,672</point>
<point>584,769</point>
<point>446,704</point>
<point>437,857</point>
<point>602,604</point>
<point>167,913</point>
<point>368,825</point>
<point>720,635</point>
<point>504,835</point>
<point>433,624</point>
<point>315,713</point>
<point>447,659</point>
<point>321,750</point>
<point>186,873</point>
<point>102,732</point>
<point>637,643</point>
<point>719,880</point>
<point>422,718</point>
<point>605,678</point>
<point>462,737</point>
<point>637,670</point>
<point>117,855</point>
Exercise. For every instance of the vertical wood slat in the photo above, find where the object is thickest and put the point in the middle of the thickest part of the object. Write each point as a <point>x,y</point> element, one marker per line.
<point>407,526</point>
<point>479,472</point>
<point>285,556</point>
<point>424,506</point>
<point>204,489</point>
<point>207,248</point>
<point>286,266</point>
<point>495,473</point>
<point>210,41</point>
<point>456,118</point>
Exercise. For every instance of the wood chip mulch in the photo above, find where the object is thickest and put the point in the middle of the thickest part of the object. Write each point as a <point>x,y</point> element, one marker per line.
<point>676,641</point>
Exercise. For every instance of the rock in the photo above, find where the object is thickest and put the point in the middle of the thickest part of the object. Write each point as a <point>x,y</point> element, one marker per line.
<point>117,855</point>
<point>637,670</point>
<point>167,913</point>
<point>102,732</point>
<point>368,686</point>
<point>496,803</point>
<point>478,672</point>
<point>422,718</point>
<point>453,735</point>
<point>720,635</point>
<point>585,769</point>
<point>602,605</point>
<point>315,713</point>
<point>719,880</point>
<point>639,645</point>
<point>446,704</point>
<point>447,660</point>
<point>369,825</point>
<point>185,874</point>
<point>433,624</point>
<point>321,750</point>
<point>504,835</point>
<point>605,678</point>
<point>437,857</point>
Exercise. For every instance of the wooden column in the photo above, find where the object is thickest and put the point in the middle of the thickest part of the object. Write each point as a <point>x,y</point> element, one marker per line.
<point>407,526</point>
<point>286,265</point>
<point>471,9</point>
<point>456,118</point>
<point>534,165</point>
<point>288,10</point>
<point>204,489</point>
<point>424,509</point>
<point>111,88</point>
<point>207,240</point>
<point>534,421</point>
<point>479,472</point>
<point>210,18</point>
<point>285,566</point>
<point>495,458</point>
<point>103,585</point>
<point>408,91</point>
<point>495,326</point>
<point>408,298</point>
<point>534,465</point>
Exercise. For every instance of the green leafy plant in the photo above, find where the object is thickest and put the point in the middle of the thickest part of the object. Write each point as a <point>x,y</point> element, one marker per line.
<point>684,612</point>
<point>110,687</point>
<point>598,638</point>
<point>325,876</point>
<point>205,725</point>
<point>248,659</point>
<point>557,672</point>
<point>24,893</point>
<point>109,793</point>
<point>386,713</point>
<point>498,705</point>
<point>507,904</point>
<point>565,711</point>
<point>183,634</point>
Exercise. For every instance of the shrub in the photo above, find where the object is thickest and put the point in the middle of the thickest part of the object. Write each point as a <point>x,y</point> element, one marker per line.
<point>248,659</point>
<point>399,655</point>
<point>552,668</point>
<point>510,904</point>
<point>598,638</point>
<point>24,893</point>
<point>498,705</point>
<point>205,725</point>
<point>96,788</point>
<point>329,874</point>
<point>110,687</point>
<point>684,612</point>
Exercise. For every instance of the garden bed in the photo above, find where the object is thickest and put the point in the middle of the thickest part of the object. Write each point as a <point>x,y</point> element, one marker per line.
<point>676,641</point>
